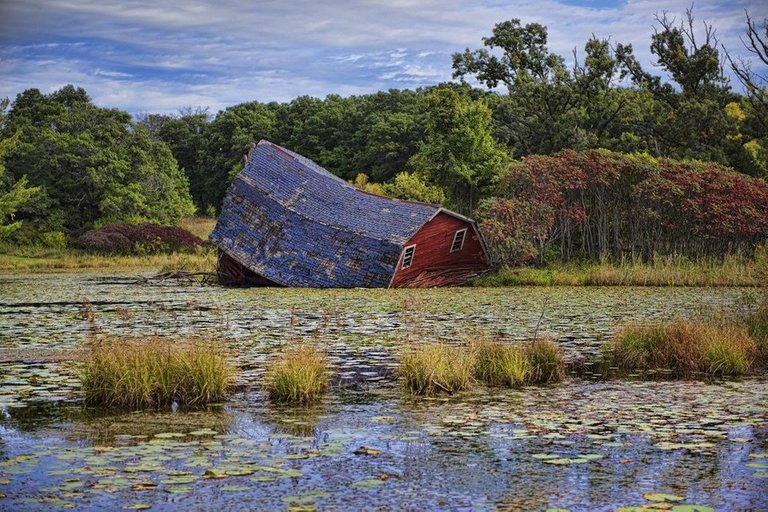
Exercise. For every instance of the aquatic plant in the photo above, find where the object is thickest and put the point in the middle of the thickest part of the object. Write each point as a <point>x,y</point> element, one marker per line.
<point>155,371</point>
<point>300,376</point>
<point>437,367</point>
<point>756,323</point>
<point>672,270</point>
<point>684,347</point>
<point>499,364</point>
<point>546,360</point>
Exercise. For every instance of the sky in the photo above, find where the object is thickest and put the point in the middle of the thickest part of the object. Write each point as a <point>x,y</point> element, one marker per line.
<point>164,55</point>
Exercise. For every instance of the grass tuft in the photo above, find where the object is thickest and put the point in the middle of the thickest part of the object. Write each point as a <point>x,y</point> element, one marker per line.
<point>546,360</point>
<point>299,377</point>
<point>436,368</point>
<point>684,347</point>
<point>155,371</point>
<point>439,368</point>
<point>756,324</point>
<point>503,365</point>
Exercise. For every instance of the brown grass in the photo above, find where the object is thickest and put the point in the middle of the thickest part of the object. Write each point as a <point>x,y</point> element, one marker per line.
<point>204,259</point>
<point>201,227</point>
<point>662,271</point>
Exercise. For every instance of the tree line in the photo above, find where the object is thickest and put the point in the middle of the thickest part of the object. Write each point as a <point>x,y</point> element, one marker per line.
<point>456,143</point>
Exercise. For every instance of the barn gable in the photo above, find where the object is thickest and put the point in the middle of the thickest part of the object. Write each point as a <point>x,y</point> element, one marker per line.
<point>296,224</point>
<point>446,250</point>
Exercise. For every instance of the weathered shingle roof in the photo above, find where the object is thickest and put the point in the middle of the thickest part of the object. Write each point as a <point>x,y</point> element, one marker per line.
<point>293,222</point>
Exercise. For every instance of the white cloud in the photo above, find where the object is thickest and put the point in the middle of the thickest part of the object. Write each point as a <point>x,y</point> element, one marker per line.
<point>146,55</point>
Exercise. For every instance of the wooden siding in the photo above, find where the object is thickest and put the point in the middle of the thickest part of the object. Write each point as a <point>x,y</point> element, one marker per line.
<point>433,262</point>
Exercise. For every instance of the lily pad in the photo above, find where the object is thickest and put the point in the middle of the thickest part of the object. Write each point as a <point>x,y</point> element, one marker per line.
<point>658,496</point>
<point>143,486</point>
<point>367,484</point>
<point>183,479</point>
<point>179,489</point>
<point>169,435</point>
<point>235,488</point>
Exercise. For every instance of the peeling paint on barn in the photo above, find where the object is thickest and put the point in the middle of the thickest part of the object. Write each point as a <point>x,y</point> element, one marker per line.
<point>288,222</point>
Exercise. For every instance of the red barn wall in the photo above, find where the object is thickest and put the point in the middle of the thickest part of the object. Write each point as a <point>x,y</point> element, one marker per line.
<point>433,249</point>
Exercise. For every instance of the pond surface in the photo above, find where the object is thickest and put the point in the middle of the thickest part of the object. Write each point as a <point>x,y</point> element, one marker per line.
<point>579,445</point>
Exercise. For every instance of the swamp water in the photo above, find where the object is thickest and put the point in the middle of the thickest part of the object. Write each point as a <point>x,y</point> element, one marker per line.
<point>579,445</point>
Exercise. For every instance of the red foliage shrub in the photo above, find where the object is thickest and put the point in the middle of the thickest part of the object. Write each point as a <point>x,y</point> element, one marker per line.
<point>136,238</point>
<point>611,205</point>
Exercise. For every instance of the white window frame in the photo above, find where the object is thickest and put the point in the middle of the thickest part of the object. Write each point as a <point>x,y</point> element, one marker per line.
<point>412,248</point>
<point>463,233</point>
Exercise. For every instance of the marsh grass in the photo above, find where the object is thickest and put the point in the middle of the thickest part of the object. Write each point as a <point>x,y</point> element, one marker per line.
<point>202,259</point>
<point>499,364</point>
<point>661,271</point>
<point>39,257</point>
<point>684,347</point>
<point>299,377</point>
<point>437,368</point>
<point>201,227</point>
<point>155,371</point>
<point>756,323</point>
<point>546,360</point>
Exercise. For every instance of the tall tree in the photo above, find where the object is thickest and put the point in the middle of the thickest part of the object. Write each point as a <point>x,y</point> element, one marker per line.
<point>755,82</point>
<point>459,152</point>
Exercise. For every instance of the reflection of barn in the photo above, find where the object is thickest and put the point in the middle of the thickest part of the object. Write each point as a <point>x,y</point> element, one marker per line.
<point>288,222</point>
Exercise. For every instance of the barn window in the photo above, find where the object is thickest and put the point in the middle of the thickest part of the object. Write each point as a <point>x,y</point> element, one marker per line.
<point>458,240</point>
<point>408,256</point>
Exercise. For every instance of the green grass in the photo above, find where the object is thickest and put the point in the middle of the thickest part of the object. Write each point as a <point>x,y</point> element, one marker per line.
<point>154,372</point>
<point>756,323</point>
<point>662,271</point>
<point>684,347</point>
<point>499,364</point>
<point>299,377</point>
<point>546,360</point>
<point>437,368</point>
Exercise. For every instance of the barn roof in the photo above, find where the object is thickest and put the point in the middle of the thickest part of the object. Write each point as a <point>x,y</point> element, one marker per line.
<point>293,222</point>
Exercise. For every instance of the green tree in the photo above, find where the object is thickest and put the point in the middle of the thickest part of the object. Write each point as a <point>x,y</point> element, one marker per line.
<point>226,142</point>
<point>92,164</point>
<point>411,187</point>
<point>754,110</point>
<point>12,195</point>
<point>459,153</point>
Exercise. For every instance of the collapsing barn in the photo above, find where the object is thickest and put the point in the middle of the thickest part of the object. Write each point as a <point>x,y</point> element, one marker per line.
<point>286,221</point>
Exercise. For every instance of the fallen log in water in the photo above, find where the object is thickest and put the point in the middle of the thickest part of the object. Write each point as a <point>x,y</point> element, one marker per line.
<point>200,277</point>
